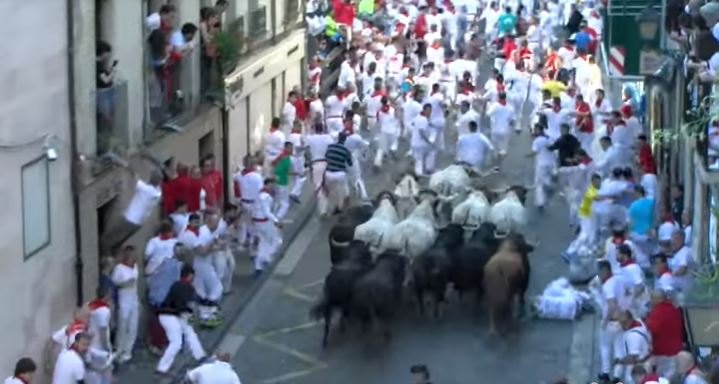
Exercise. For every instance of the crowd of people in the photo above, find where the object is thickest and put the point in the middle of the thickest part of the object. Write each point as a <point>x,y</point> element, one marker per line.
<point>408,68</point>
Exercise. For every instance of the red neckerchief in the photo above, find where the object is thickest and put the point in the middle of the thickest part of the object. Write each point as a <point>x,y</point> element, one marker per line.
<point>690,370</point>
<point>266,190</point>
<point>569,47</point>
<point>384,108</point>
<point>635,324</point>
<point>97,303</point>
<point>447,61</point>
<point>604,280</point>
<point>76,326</point>
<point>500,87</point>
<point>273,129</point>
<point>405,65</point>
<point>279,157</point>
<point>186,280</point>
<point>586,160</point>
<point>340,95</point>
<point>502,102</point>
<point>194,229</point>
<point>378,93</point>
<point>467,89</point>
<point>166,236</point>
<point>571,92</point>
<point>626,262</point>
<point>435,45</point>
<point>617,240</point>
<point>664,270</point>
<point>556,107</point>
<point>348,125</point>
<point>129,265</point>
<point>423,114</point>
<point>248,170</point>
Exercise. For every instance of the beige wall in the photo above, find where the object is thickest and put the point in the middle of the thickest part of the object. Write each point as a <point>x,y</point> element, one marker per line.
<point>34,101</point>
<point>256,77</point>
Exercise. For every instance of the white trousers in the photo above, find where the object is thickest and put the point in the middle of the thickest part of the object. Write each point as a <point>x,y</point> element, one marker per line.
<point>245,230</point>
<point>177,329</point>
<point>128,316</point>
<point>224,262</point>
<point>423,160</point>
<point>299,178</point>
<point>317,171</point>
<point>611,346</point>
<point>500,140</point>
<point>585,139</point>
<point>388,142</point>
<point>587,229</point>
<point>97,370</point>
<point>542,180</point>
<point>98,377</point>
<point>206,282</point>
<point>337,189</point>
<point>282,201</point>
<point>355,177</point>
<point>269,241</point>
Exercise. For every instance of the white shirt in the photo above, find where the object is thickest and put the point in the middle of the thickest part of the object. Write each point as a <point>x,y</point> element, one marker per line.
<point>612,289</point>
<point>543,156</point>
<point>298,142</point>
<point>191,240</point>
<point>388,121</point>
<point>634,282</point>
<point>649,183</point>
<point>179,221</point>
<point>683,258</point>
<point>13,380</point>
<point>69,368</point>
<point>143,202</point>
<point>460,66</point>
<point>274,144</point>
<point>156,251</point>
<point>317,145</point>
<point>263,208</point>
<point>666,230</point>
<point>217,372</point>
<point>335,107</point>
<point>368,80</point>
<point>622,135</point>
<point>610,253</point>
<point>99,327</point>
<point>289,114</point>
<point>317,108</point>
<point>122,274</point>
<point>472,148</point>
<point>500,117</point>
<point>465,119</point>
<point>410,109</point>
<point>420,131</point>
<point>612,159</point>
<point>250,184</point>
<point>347,75</point>
<point>637,341</point>
<point>567,55</point>
<point>554,122</point>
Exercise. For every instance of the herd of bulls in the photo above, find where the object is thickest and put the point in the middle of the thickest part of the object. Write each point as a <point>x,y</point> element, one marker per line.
<point>370,273</point>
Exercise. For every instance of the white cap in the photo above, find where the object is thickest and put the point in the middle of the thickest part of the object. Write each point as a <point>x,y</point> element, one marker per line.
<point>153,21</point>
<point>666,230</point>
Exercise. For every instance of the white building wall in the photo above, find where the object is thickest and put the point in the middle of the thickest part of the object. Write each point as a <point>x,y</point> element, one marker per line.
<point>34,102</point>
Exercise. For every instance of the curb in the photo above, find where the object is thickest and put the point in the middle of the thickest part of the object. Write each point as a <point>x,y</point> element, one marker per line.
<point>306,214</point>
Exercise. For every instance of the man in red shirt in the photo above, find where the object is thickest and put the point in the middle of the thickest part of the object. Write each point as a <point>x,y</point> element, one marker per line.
<point>344,14</point>
<point>211,182</point>
<point>584,122</point>
<point>664,322</point>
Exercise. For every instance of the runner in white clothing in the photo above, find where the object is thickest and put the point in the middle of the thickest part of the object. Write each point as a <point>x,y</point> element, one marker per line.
<point>274,143</point>
<point>317,144</point>
<point>289,112</point>
<point>389,132</point>
<point>473,147</point>
<point>24,371</point>
<point>468,115</point>
<point>502,118</point>
<point>544,164</point>
<point>335,109</point>
<point>422,141</point>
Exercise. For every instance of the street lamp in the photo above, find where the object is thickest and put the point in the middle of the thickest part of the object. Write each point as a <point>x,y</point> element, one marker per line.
<point>648,22</point>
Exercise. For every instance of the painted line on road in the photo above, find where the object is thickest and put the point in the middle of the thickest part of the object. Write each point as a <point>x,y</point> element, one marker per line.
<point>314,364</point>
<point>582,349</point>
<point>297,249</point>
<point>296,291</point>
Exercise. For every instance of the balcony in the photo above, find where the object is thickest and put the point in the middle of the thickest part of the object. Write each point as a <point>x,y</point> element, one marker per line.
<point>113,131</point>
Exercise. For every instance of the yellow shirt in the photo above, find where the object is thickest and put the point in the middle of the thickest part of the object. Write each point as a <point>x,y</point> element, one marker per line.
<point>554,87</point>
<point>585,207</point>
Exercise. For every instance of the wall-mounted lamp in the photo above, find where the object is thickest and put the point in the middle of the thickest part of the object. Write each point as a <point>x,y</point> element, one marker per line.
<point>50,147</point>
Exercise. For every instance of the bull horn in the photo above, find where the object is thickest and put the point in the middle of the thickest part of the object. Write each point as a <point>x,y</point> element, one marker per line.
<point>500,234</point>
<point>471,227</point>
<point>339,244</point>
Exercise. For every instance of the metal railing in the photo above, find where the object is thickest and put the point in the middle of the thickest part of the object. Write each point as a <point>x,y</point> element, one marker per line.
<point>113,130</point>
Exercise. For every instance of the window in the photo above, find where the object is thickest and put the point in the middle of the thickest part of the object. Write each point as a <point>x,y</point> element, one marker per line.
<point>35,206</point>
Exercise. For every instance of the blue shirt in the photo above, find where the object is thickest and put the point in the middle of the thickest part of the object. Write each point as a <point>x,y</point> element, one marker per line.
<point>581,40</point>
<point>159,283</point>
<point>641,215</point>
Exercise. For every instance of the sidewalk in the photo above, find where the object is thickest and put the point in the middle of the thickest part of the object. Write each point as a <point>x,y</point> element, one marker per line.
<point>244,286</point>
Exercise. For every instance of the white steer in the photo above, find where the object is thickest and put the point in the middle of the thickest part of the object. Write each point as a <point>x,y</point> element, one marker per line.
<point>374,231</point>
<point>452,180</point>
<point>406,192</point>
<point>508,214</point>
<point>473,211</point>
<point>417,233</point>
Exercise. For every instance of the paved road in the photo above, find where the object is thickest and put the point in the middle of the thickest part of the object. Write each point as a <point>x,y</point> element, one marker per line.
<point>278,343</point>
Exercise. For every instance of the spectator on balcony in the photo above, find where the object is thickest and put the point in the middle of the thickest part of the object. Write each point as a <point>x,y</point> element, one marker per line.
<point>208,30</point>
<point>344,14</point>
<point>221,7</point>
<point>212,182</point>
<point>163,20</point>
<point>105,71</point>
<point>182,40</point>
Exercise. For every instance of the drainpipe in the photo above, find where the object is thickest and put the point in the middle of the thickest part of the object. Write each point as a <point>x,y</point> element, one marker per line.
<point>74,175</point>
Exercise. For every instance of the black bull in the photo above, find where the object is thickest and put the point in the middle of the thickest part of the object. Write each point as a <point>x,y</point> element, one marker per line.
<point>342,233</point>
